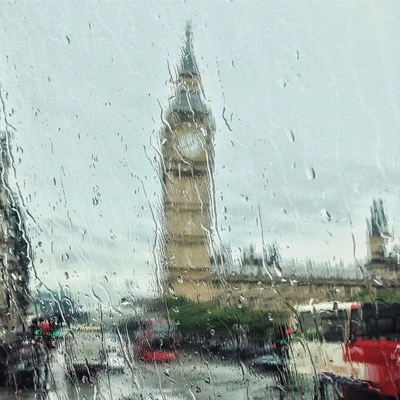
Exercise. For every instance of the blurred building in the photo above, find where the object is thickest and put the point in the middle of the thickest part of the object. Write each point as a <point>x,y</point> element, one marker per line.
<point>14,249</point>
<point>193,267</point>
<point>187,165</point>
<point>383,260</point>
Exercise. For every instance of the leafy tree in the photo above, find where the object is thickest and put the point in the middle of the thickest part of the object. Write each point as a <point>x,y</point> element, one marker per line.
<point>207,318</point>
<point>388,295</point>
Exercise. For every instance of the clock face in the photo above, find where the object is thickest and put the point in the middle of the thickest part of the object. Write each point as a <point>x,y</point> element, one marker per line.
<point>190,144</point>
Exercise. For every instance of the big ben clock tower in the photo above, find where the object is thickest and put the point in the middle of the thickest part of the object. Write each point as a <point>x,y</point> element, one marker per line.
<point>187,166</point>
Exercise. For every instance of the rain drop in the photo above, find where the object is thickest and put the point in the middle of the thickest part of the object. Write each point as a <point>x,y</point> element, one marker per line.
<point>290,136</point>
<point>198,390</point>
<point>310,173</point>
<point>325,215</point>
<point>377,281</point>
<point>179,279</point>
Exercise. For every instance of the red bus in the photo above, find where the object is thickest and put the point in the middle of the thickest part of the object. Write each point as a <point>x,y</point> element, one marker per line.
<point>348,351</point>
<point>155,340</point>
<point>373,346</point>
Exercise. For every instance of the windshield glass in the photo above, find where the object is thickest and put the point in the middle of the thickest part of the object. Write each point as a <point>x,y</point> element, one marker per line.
<point>185,187</point>
<point>377,321</point>
<point>325,325</point>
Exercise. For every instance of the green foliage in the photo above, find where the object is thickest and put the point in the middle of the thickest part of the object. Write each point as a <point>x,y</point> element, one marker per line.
<point>388,295</point>
<point>208,318</point>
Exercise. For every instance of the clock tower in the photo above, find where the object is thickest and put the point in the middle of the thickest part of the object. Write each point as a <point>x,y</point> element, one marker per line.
<point>187,162</point>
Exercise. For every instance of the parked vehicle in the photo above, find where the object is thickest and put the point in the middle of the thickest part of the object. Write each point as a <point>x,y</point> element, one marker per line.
<point>84,355</point>
<point>114,354</point>
<point>267,362</point>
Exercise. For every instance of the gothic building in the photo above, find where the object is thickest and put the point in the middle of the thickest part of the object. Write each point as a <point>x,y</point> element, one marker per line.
<point>383,258</point>
<point>188,256</point>
<point>187,173</point>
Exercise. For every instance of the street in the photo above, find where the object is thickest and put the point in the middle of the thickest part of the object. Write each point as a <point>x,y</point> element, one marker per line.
<point>193,376</point>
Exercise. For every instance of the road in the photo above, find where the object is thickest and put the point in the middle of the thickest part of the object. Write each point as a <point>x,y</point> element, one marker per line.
<point>193,376</point>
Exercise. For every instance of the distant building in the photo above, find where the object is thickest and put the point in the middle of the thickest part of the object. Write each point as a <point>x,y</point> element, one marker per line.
<point>193,268</point>
<point>383,262</point>
<point>14,249</point>
<point>187,176</point>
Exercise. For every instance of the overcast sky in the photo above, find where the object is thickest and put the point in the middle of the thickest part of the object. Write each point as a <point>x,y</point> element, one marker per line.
<point>309,92</point>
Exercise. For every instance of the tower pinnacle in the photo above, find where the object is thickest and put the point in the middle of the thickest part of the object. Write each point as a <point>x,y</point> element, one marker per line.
<point>188,63</point>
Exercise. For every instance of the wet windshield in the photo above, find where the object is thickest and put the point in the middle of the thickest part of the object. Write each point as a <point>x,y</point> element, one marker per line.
<point>199,200</point>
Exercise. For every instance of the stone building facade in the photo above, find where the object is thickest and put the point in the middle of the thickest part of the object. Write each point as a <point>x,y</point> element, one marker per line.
<point>187,164</point>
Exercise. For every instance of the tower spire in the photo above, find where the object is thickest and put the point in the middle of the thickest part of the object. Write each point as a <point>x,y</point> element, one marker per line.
<point>188,63</point>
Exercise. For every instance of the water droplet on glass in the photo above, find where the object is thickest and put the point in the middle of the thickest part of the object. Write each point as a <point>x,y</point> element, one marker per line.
<point>310,173</point>
<point>290,136</point>
<point>325,215</point>
<point>377,281</point>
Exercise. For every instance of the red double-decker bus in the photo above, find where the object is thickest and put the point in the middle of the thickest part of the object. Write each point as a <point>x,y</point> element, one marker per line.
<point>373,348</point>
<point>348,351</point>
<point>155,340</point>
